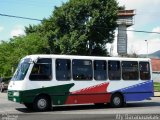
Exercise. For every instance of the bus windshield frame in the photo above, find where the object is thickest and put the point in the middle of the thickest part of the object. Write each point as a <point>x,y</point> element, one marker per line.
<point>22,70</point>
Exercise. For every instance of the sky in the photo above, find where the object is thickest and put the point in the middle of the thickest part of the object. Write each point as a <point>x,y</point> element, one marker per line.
<point>38,9</point>
<point>147,18</point>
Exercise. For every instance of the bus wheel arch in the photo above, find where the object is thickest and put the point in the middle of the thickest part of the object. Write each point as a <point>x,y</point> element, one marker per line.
<point>42,102</point>
<point>117,100</point>
<point>28,106</point>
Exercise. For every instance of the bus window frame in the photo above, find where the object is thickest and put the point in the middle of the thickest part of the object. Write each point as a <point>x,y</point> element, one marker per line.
<point>106,71</point>
<point>137,71</point>
<point>92,72</point>
<point>149,66</point>
<point>120,68</point>
<point>69,70</point>
<point>51,72</point>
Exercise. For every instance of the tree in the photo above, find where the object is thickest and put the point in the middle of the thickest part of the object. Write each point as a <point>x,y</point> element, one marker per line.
<point>12,51</point>
<point>80,27</point>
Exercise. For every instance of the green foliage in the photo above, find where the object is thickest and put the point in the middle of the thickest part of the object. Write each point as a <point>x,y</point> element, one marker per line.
<point>156,86</point>
<point>6,79</point>
<point>11,52</point>
<point>78,27</point>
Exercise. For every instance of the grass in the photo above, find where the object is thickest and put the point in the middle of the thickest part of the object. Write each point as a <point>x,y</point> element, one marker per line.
<point>156,86</point>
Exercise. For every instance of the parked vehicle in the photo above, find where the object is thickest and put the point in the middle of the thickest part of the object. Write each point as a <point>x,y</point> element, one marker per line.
<point>3,84</point>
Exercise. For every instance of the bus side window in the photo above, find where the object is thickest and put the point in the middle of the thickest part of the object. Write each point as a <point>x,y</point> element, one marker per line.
<point>63,69</point>
<point>114,70</point>
<point>100,71</point>
<point>144,70</point>
<point>82,69</point>
<point>130,70</point>
<point>42,70</point>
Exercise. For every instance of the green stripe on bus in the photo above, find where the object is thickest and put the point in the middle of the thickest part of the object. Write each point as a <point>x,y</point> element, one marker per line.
<point>58,94</point>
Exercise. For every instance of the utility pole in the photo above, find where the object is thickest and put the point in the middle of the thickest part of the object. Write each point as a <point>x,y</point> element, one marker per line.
<point>147,47</point>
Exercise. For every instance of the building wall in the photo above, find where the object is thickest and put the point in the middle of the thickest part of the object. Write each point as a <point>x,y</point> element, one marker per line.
<point>155,64</point>
<point>155,69</point>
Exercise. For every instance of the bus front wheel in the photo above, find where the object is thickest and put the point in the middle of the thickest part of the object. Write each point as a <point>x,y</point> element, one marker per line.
<point>117,100</point>
<point>42,103</point>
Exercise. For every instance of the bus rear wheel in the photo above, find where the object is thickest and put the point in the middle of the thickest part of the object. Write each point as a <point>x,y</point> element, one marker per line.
<point>117,100</point>
<point>42,103</point>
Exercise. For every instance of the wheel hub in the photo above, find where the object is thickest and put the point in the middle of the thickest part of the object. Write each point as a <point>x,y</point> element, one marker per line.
<point>117,101</point>
<point>42,103</point>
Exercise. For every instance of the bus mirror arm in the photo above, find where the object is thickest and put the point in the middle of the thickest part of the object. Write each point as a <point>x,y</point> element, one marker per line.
<point>34,61</point>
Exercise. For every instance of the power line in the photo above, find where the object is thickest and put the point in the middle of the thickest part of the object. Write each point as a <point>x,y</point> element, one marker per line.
<point>13,16</point>
<point>143,31</point>
<point>27,18</point>
<point>140,31</point>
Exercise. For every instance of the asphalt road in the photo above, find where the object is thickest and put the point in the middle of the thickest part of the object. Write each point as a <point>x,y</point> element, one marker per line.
<point>148,108</point>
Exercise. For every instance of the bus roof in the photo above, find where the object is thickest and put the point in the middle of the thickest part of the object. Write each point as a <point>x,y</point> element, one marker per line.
<point>84,57</point>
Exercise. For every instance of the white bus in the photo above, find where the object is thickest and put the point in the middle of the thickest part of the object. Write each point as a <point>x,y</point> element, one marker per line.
<point>41,81</point>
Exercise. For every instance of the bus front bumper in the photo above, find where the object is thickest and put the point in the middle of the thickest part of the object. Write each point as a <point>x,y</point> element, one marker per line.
<point>14,96</point>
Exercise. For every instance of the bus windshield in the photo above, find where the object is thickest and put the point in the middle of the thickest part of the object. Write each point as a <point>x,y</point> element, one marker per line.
<point>21,70</point>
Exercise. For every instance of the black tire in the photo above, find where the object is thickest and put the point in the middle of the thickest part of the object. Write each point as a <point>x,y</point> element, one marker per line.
<point>117,100</point>
<point>29,106</point>
<point>42,103</point>
<point>99,104</point>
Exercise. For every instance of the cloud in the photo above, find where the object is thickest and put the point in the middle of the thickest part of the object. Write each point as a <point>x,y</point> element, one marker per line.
<point>17,31</point>
<point>139,45</point>
<point>132,4</point>
<point>153,45</point>
<point>156,29</point>
<point>1,28</point>
<point>155,35</point>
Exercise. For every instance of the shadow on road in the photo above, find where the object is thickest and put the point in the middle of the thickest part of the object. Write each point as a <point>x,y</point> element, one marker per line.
<point>93,107</point>
<point>69,108</point>
<point>143,104</point>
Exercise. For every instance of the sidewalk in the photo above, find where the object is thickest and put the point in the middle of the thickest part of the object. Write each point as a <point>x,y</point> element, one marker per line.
<point>157,94</point>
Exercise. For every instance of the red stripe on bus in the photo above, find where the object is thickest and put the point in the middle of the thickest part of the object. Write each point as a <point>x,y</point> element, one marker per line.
<point>93,94</point>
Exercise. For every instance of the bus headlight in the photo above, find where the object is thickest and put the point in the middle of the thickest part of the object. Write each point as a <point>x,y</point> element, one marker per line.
<point>16,94</point>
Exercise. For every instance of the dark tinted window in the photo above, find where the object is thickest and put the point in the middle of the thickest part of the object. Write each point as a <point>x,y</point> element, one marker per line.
<point>130,70</point>
<point>100,72</point>
<point>82,69</point>
<point>63,69</point>
<point>144,70</point>
<point>42,70</point>
<point>114,70</point>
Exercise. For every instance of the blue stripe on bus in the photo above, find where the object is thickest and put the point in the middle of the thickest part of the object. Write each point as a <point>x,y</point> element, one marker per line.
<point>138,92</point>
